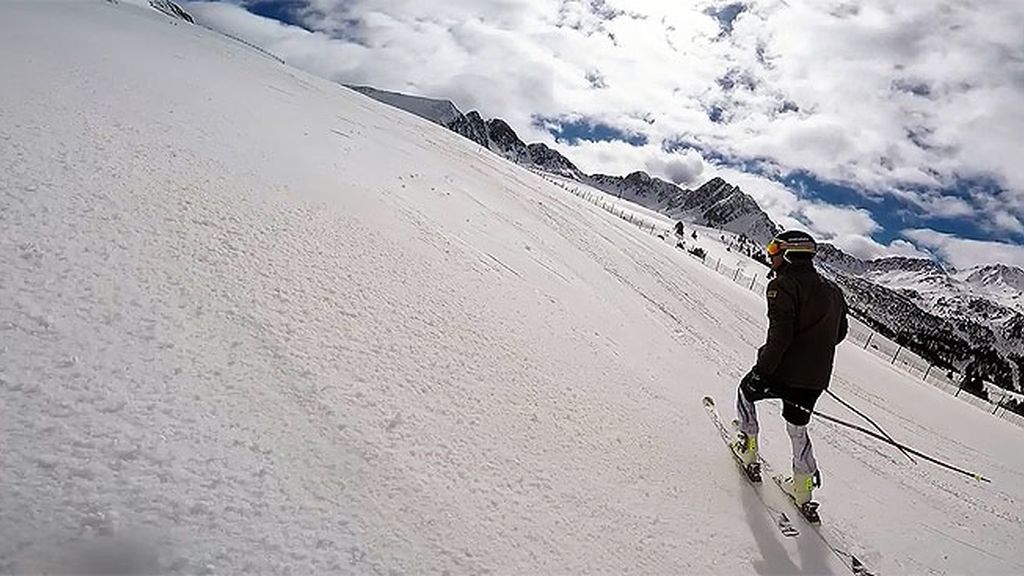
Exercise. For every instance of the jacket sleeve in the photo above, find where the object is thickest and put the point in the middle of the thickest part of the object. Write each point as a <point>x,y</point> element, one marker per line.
<point>844,325</point>
<point>781,325</point>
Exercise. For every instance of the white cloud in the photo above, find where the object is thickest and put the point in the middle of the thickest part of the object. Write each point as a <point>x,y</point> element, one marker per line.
<point>868,249</point>
<point>999,211</point>
<point>904,248</point>
<point>964,253</point>
<point>1003,220</point>
<point>612,157</point>
<point>936,205</point>
<point>840,220</point>
<point>884,96</point>
<point>683,167</point>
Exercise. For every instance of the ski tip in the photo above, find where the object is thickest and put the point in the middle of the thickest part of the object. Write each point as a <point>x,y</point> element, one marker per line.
<point>708,401</point>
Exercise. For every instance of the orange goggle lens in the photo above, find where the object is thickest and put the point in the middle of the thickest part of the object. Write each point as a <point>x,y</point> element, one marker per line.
<point>773,248</point>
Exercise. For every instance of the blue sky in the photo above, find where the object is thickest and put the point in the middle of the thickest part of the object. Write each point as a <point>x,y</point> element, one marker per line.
<point>886,128</point>
<point>573,131</point>
<point>282,10</point>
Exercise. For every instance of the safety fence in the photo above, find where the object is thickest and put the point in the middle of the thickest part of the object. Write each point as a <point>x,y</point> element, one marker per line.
<point>601,200</point>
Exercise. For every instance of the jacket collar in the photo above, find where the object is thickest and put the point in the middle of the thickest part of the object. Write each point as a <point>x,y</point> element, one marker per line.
<point>796,267</point>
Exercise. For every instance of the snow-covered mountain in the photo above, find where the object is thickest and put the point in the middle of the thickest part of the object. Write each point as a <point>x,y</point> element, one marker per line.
<point>991,293</point>
<point>943,314</point>
<point>642,189</point>
<point>168,7</point>
<point>716,203</point>
<point>494,134</point>
<point>999,282</point>
<point>722,205</point>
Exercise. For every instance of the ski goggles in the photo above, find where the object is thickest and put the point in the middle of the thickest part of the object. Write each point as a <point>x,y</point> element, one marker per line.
<point>776,247</point>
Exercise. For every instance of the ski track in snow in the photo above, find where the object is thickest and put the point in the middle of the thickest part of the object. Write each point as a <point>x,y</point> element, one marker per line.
<point>251,321</point>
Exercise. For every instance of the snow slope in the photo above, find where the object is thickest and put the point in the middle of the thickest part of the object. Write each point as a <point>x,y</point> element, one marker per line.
<point>251,321</point>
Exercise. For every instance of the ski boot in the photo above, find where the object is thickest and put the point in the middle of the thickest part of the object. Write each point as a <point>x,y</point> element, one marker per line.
<point>799,487</point>
<point>745,448</point>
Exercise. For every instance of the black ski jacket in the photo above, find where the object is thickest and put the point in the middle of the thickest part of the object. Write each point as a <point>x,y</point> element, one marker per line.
<point>806,320</point>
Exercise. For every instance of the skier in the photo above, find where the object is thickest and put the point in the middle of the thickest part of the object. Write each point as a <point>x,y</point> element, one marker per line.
<point>806,320</point>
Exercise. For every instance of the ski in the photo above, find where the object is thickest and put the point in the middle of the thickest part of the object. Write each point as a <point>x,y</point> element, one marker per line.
<point>827,536</point>
<point>785,525</point>
<point>809,511</point>
<point>782,521</point>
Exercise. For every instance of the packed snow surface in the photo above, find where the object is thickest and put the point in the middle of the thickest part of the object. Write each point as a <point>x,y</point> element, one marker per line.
<point>254,322</point>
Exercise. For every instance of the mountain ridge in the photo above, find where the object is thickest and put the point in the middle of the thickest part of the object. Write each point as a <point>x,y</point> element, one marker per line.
<point>167,7</point>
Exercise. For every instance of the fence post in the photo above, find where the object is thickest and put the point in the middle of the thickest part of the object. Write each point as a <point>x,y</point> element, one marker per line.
<point>896,355</point>
<point>752,280</point>
<point>718,264</point>
<point>736,275</point>
<point>926,372</point>
<point>868,341</point>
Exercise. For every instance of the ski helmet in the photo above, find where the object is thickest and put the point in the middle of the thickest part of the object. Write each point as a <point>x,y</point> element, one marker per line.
<point>792,244</point>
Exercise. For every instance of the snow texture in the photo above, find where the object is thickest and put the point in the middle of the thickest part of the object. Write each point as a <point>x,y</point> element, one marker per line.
<point>253,322</point>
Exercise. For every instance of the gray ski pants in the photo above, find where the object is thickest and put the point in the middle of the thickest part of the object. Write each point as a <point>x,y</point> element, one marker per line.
<point>803,452</point>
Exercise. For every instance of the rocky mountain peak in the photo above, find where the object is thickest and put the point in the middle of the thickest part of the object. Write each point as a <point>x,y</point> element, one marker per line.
<point>907,264</point>
<point>641,188</point>
<point>494,134</point>
<point>717,186</point>
<point>639,178</point>
<point>839,260</point>
<point>996,274</point>
<point>551,161</point>
<point>168,7</point>
<point>501,138</point>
